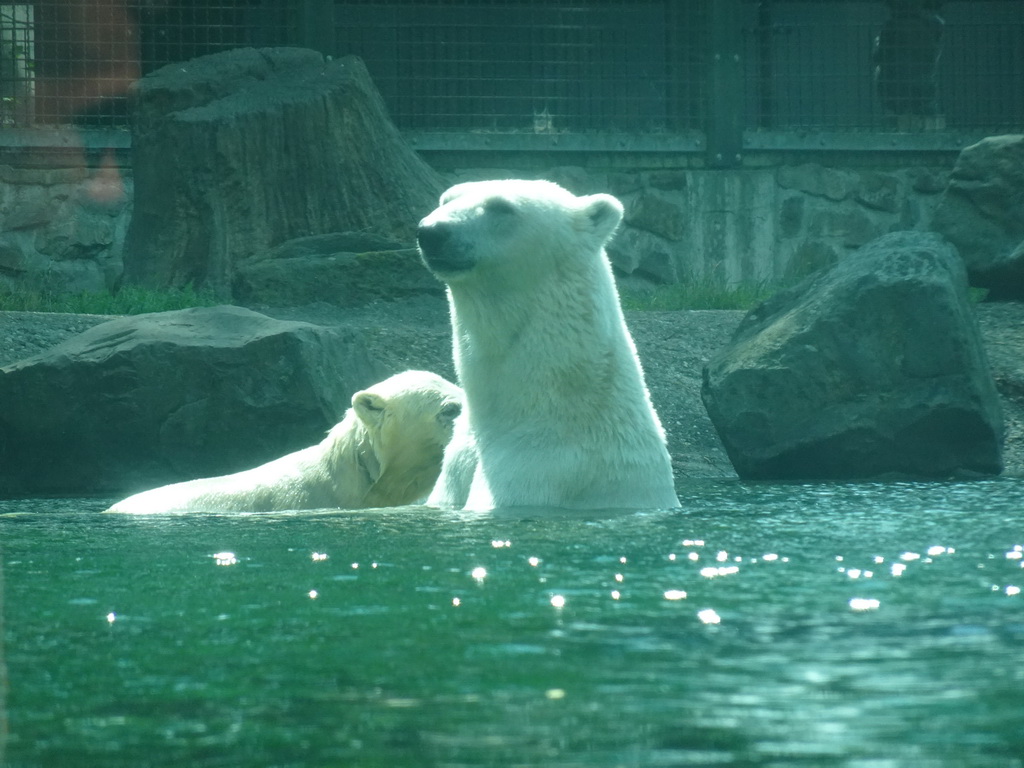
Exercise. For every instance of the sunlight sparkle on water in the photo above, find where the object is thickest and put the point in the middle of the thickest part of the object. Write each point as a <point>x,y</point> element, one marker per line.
<point>558,601</point>
<point>864,604</point>
<point>712,572</point>
<point>856,573</point>
<point>479,573</point>
<point>709,616</point>
<point>675,594</point>
<point>224,558</point>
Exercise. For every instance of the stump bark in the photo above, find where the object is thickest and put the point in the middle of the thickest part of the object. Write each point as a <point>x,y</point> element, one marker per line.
<point>240,151</point>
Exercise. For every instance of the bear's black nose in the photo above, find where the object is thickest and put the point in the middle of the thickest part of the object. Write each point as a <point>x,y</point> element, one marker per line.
<point>443,251</point>
<point>432,237</point>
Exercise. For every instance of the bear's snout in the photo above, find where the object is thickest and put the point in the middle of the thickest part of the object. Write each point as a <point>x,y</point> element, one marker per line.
<point>432,237</point>
<point>440,249</point>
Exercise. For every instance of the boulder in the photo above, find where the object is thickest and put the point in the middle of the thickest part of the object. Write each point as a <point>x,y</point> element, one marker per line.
<point>240,151</point>
<point>982,213</point>
<point>872,368</point>
<point>344,269</point>
<point>142,401</point>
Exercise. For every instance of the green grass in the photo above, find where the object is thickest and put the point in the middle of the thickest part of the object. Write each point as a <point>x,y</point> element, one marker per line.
<point>703,295</point>
<point>130,300</point>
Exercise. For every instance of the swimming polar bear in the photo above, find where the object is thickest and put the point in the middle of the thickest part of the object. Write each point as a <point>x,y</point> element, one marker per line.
<point>386,452</point>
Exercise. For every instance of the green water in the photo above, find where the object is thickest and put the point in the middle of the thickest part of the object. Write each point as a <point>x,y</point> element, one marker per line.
<point>862,625</point>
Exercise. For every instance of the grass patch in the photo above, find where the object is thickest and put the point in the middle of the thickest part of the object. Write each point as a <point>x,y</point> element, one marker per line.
<point>698,296</point>
<point>130,300</point>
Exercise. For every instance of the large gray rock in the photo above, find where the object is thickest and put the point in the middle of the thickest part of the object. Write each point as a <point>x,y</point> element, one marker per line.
<point>142,401</point>
<point>344,269</point>
<point>872,368</point>
<point>982,214</point>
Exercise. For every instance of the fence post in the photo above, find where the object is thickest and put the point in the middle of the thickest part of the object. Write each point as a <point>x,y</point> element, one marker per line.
<point>316,26</point>
<point>725,84</point>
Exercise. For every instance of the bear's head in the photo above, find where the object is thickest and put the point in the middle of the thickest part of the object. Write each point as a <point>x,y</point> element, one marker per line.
<point>408,420</point>
<point>410,411</point>
<point>501,228</point>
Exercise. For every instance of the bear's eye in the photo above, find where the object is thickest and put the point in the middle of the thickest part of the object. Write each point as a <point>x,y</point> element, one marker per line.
<point>450,410</point>
<point>499,205</point>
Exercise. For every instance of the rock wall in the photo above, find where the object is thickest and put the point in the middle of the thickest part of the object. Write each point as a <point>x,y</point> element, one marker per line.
<point>756,225</point>
<point>63,229</point>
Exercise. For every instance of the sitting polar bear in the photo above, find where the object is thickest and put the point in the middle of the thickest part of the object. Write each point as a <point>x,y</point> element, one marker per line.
<point>557,412</point>
<point>386,452</point>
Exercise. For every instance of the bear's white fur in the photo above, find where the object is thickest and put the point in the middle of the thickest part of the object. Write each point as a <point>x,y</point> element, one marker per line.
<point>557,412</point>
<point>386,452</point>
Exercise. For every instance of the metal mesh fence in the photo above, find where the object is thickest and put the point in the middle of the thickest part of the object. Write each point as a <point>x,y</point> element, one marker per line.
<point>72,61</point>
<point>541,67</point>
<point>905,66</point>
<point>553,66</point>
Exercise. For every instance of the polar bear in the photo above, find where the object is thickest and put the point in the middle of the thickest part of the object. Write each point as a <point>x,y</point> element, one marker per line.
<point>557,413</point>
<point>386,452</point>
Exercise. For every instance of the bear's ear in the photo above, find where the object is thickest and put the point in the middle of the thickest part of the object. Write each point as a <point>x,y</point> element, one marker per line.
<point>369,407</point>
<point>602,214</point>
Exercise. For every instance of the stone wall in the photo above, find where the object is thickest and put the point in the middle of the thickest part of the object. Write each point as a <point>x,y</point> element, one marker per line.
<point>63,229</point>
<point>757,225</point>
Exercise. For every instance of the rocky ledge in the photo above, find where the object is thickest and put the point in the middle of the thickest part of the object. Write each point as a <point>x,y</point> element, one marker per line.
<point>414,333</point>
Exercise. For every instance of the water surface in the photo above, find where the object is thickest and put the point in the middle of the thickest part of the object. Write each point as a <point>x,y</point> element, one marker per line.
<point>862,625</point>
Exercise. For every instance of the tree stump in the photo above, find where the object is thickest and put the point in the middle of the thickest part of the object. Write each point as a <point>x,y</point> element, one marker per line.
<point>239,151</point>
